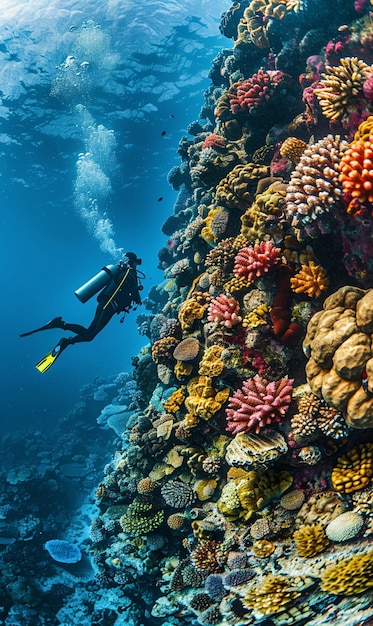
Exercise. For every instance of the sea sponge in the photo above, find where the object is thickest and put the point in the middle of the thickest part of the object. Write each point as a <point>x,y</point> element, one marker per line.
<point>354,469</point>
<point>258,403</point>
<point>311,280</point>
<point>235,190</point>
<point>175,400</point>
<point>268,205</point>
<point>310,540</point>
<point>320,508</point>
<point>262,548</point>
<point>340,365</point>
<point>211,363</point>
<point>182,369</point>
<point>350,576</point>
<point>189,312</point>
<point>345,526</point>
<point>203,401</point>
<point>255,261</point>
<point>341,86</point>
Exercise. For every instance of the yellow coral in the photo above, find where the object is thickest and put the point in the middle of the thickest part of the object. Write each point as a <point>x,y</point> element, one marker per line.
<point>293,148</point>
<point>271,595</point>
<point>211,363</point>
<point>340,86</point>
<point>233,190</point>
<point>235,284</point>
<point>354,470</point>
<point>267,203</point>
<point>203,400</point>
<point>310,540</point>
<point>176,399</point>
<point>207,233</point>
<point>349,577</point>
<point>189,312</point>
<point>257,317</point>
<point>311,279</point>
<point>182,369</point>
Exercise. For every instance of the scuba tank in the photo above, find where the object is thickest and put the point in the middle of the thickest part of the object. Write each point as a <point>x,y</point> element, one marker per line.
<point>96,283</point>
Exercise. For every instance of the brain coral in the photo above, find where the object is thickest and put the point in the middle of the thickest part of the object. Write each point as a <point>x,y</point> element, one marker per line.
<point>314,188</point>
<point>258,404</point>
<point>340,365</point>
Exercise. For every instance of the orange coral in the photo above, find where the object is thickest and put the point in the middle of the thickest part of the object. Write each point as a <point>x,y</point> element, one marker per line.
<point>311,280</point>
<point>356,172</point>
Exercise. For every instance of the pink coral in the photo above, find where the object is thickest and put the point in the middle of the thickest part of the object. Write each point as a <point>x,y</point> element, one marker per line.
<point>251,92</point>
<point>214,141</point>
<point>224,310</point>
<point>252,262</point>
<point>258,404</point>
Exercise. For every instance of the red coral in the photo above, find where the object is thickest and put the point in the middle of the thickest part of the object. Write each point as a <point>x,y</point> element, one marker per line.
<point>252,262</point>
<point>251,92</point>
<point>224,310</point>
<point>287,331</point>
<point>215,141</point>
<point>258,404</point>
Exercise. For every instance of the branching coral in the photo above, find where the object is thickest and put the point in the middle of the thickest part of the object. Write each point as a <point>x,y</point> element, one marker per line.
<point>254,261</point>
<point>271,595</point>
<point>258,404</point>
<point>311,280</point>
<point>177,494</point>
<point>340,87</point>
<point>141,518</point>
<point>314,416</point>
<point>314,188</point>
<point>224,310</point>
<point>251,93</point>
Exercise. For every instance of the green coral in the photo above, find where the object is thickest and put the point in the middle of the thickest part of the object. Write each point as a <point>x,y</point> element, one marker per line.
<point>141,518</point>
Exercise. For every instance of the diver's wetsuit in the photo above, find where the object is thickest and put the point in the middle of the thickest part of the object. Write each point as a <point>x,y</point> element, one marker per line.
<point>108,306</point>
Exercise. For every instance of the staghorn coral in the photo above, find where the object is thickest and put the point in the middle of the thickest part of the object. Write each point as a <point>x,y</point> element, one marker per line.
<point>311,280</point>
<point>354,469</point>
<point>310,540</point>
<point>341,86</point>
<point>255,261</point>
<point>314,188</point>
<point>338,344</point>
<point>350,576</point>
<point>203,400</point>
<point>224,310</point>
<point>258,404</point>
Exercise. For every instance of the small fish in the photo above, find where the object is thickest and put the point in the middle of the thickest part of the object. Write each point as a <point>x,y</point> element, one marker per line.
<point>163,133</point>
<point>160,199</point>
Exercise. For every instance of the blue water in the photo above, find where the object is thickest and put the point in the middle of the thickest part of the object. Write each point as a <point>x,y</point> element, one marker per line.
<point>95,97</point>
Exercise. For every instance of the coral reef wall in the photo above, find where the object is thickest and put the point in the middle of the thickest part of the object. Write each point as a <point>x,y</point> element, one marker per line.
<point>241,491</point>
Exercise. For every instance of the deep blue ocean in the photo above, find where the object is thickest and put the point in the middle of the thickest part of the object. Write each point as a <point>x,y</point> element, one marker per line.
<point>95,97</point>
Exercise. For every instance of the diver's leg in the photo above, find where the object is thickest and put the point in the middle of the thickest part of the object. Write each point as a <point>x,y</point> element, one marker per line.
<point>101,319</point>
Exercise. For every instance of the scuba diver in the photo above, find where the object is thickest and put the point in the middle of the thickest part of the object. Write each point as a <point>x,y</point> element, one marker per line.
<point>120,292</point>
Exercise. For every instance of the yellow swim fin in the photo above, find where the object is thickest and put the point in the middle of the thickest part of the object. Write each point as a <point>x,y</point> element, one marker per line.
<point>47,361</point>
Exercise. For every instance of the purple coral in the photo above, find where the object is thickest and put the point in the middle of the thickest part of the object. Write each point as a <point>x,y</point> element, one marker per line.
<point>258,404</point>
